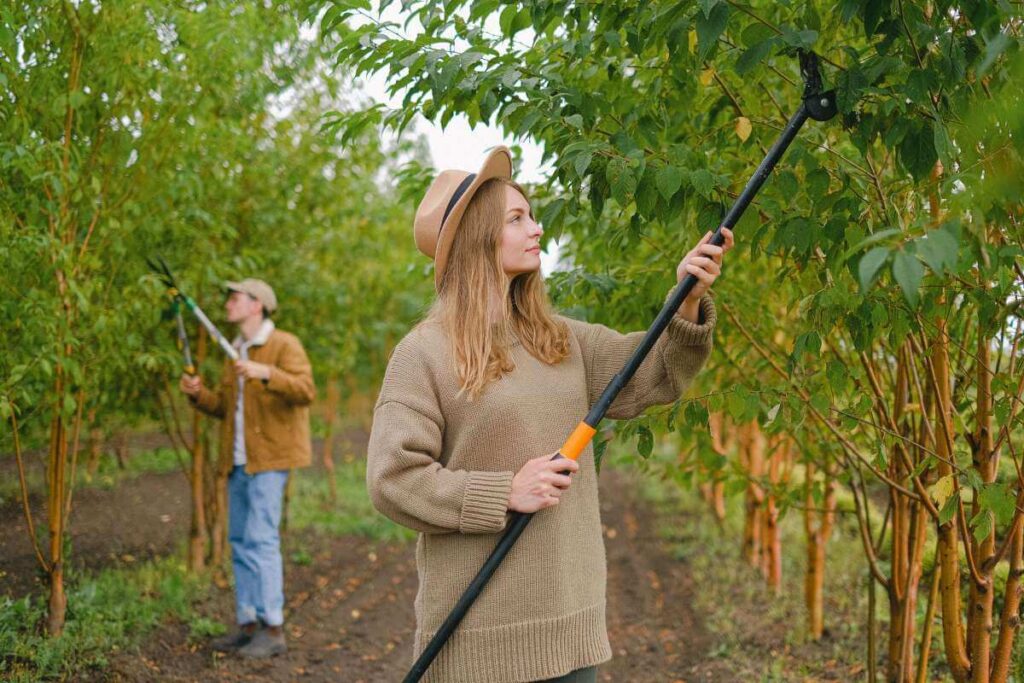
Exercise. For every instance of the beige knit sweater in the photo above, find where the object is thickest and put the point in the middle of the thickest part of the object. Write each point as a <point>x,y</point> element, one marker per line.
<point>443,466</point>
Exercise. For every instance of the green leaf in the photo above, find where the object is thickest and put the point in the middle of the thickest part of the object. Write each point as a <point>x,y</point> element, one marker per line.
<point>551,214</point>
<point>869,266</point>
<point>736,403</point>
<point>669,179</point>
<point>600,448</point>
<point>999,500</point>
<point>703,182</point>
<point>981,525</point>
<point>872,12</point>
<point>949,509</point>
<point>943,145</point>
<point>696,415</point>
<point>582,162</point>
<point>821,403</point>
<point>709,28</point>
<point>620,180</point>
<point>644,441</point>
<point>938,248</point>
<point>870,239</point>
<point>908,272</point>
<point>917,152</point>
<point>707,5</point>
<point>800,39</point>
<point>753,55</point>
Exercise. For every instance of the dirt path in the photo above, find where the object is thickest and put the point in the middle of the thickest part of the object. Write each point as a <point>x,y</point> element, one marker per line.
<point>145,517</point>
<point>350,599</point>
<point>351,614</point>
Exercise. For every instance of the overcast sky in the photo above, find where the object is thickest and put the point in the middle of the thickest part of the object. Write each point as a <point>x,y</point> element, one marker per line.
<point>460,147</point>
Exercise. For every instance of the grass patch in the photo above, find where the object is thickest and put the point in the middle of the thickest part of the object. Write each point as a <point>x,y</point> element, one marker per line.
<point>352,514</point>
<point>107,612</point>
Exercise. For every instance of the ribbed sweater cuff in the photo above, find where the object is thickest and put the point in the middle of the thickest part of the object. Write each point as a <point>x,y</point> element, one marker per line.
<point>485,502</point>
<point>686,333</point>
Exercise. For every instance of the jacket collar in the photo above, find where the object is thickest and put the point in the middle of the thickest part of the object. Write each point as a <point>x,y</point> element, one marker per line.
<point>261,336</point>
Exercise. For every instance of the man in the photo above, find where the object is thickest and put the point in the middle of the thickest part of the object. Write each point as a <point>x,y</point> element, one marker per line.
<point>263,400</point>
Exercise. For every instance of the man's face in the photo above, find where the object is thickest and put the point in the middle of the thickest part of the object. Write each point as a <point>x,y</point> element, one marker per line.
<point>240,307</point>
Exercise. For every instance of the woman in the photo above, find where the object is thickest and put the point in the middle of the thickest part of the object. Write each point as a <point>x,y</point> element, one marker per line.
<point>476,400</point>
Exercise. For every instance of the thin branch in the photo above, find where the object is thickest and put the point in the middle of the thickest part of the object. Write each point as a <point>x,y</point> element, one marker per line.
<point>46,567</point>
<point>74,452</point>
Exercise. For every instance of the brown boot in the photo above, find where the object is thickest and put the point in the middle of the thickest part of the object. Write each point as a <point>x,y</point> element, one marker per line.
<point>267,642</point>
<point>242,636</point>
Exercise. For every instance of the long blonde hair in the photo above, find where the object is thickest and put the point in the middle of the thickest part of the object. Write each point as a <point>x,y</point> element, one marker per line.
<point>463,308</point>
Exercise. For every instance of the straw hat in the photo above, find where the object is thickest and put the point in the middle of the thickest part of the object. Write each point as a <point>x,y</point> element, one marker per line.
<point>440,212</point>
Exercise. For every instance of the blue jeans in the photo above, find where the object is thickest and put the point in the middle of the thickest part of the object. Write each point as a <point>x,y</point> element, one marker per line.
<point>254,514</point>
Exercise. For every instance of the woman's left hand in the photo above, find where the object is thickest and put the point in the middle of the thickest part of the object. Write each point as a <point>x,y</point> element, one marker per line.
<point>704,262</point>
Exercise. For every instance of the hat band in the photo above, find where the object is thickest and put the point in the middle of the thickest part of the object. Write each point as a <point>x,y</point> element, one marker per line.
<point>459,191</point>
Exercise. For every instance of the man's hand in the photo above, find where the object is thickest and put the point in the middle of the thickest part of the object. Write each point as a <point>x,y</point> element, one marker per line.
<point>191,385</point>
<point>252,370</point>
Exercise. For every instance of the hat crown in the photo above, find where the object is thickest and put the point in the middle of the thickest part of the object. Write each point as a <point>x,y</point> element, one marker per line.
<point>257,289</point>
<point>431,211</point>
<point>441,209</point>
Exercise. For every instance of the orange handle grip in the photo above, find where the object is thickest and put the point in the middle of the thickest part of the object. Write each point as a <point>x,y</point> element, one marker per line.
<point>577,441</point>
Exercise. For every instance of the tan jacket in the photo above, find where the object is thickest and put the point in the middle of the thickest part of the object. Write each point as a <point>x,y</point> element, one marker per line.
<point>276,411</point>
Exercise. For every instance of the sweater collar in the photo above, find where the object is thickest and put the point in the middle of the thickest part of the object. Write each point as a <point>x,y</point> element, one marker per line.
<point>260,338</point>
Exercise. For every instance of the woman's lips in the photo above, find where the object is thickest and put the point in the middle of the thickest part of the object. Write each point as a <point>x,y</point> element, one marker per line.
<point>533,250</point>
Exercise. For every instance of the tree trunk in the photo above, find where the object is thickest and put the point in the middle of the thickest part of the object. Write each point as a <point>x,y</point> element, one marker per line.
<point>926,633</point>
<point>121,448</point>
<point>94,445</point>
<point>772,540</point>
<point>57,604</point>
<point>1009,622</point>
<point>330,426</point>
<point>818,528</point>
<point>752,461</point>
<point>949,559</point>
<point>722,442</point>
<point>909,533</point>
<point>197,537</point>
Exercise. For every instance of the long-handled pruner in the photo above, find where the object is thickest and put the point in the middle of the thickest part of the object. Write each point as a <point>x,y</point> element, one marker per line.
<point>159,266</point>
<point>183,345</point>
<point>818,105</point>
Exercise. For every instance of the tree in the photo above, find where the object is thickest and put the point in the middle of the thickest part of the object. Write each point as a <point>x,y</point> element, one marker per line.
<point>884,251</point>
<point>136,127</point>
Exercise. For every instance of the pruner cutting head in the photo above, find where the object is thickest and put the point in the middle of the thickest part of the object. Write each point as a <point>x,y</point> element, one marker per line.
<point>821,105</point>
<point>163,272</point>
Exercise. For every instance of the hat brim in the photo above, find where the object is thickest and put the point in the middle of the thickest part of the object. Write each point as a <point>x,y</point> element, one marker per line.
<point>498,164</point>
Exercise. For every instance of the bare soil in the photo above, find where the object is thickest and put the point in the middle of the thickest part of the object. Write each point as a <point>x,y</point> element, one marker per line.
<point>350,599</point>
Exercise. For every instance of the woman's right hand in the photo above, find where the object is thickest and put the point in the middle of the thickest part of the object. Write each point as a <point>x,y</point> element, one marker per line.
<point>540,483</point>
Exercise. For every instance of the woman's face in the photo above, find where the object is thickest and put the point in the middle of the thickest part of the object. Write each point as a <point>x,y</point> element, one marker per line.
<point>520,236</point>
